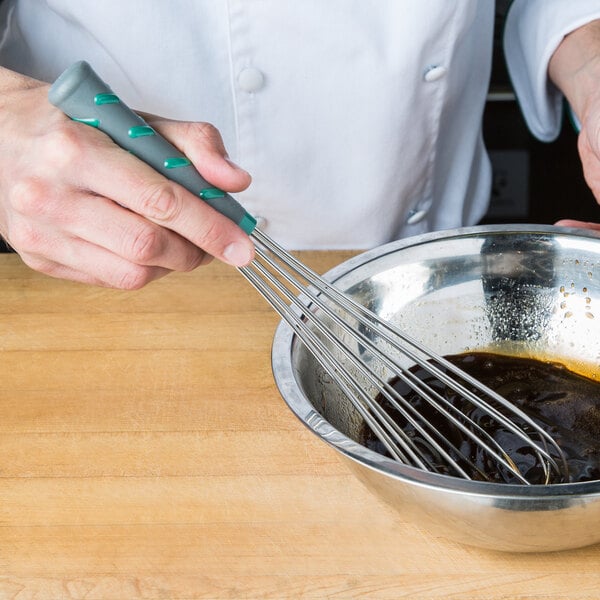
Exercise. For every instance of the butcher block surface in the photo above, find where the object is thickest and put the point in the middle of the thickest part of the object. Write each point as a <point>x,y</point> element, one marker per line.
<point>145,452</point>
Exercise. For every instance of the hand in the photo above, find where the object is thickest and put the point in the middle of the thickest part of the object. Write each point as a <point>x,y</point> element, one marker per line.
<point>76,206</point>
<point>575,69</point>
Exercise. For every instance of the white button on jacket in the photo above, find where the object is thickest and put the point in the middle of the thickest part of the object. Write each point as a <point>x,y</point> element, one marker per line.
<point>251,80</point>
<point>434,73</point>
<point>348,114</point>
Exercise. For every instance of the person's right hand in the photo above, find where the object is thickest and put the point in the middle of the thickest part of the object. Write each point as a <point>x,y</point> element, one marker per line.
<point>76,206</point>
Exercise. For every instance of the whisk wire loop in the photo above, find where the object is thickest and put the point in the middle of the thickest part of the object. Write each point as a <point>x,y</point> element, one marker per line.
<point>345,337</point>
<point>397,401</point>
<point>335,369</point>
<point>343,377</point>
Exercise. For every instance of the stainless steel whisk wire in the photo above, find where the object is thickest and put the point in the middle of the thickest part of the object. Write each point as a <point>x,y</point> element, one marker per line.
<point>294,291</point>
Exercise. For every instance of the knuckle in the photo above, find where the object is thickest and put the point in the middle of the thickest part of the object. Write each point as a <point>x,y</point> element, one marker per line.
<point>146,244</point>
<point>206,134</point>
<point>28,197</point>
<point>194,259</point>
<point>211,235</point>
<point>64,147</point>
<point>135,278</point>
<point>161,202</point>
<point>204,131</point>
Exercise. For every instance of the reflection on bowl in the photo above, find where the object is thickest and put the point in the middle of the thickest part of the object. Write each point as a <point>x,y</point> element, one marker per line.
<point>526,290</point>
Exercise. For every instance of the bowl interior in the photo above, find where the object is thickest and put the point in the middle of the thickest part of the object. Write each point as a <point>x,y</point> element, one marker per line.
<point>532,291</point>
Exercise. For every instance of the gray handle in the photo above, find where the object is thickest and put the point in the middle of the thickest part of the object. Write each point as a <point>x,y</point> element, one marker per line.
<point>84,97</point>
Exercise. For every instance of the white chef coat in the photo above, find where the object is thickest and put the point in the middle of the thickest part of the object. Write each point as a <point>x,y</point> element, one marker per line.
<point>359,120</point>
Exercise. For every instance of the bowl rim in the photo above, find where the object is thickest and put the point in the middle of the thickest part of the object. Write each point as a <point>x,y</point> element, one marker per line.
<point>285,339</point>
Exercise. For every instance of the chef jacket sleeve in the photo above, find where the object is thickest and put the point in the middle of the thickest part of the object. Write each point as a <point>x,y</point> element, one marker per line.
<point>533,31</point>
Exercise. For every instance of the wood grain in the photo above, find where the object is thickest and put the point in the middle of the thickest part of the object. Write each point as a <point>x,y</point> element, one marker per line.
<point>146,453</point>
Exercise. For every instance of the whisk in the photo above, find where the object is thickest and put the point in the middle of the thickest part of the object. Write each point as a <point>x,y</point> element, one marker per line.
<point>361,352</point>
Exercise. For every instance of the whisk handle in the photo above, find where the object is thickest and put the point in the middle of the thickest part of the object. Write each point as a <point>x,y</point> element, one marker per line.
<point>82,95</point>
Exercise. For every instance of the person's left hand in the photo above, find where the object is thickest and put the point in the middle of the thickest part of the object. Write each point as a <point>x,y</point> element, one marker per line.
<point>575,69</point>
<point>588,144</point>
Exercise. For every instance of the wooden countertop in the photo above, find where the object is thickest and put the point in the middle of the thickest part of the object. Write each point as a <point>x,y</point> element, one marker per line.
<point>146,453</point>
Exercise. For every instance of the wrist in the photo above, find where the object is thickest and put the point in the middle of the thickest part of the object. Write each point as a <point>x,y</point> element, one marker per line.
<point>575,67</point>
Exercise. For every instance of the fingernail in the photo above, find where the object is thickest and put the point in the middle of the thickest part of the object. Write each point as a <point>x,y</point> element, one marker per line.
<point>237,254</point>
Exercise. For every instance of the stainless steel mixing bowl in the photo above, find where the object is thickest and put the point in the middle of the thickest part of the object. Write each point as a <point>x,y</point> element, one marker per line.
<point>521,289</point>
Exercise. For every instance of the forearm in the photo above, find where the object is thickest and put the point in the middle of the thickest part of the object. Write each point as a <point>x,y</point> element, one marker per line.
<point>575,68</point>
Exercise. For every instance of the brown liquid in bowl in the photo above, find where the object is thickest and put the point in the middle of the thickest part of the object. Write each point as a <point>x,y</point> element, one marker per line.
<point>565,404</point>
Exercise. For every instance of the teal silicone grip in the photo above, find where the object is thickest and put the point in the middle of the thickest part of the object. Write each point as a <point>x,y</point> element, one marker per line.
<point>84,97</point>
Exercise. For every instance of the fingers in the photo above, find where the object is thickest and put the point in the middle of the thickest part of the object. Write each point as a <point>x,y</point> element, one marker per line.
<point>116,174</point>
<point>579,224</point>
<point>203,145</point>
<point>93,266</point>
<point>86,233</point>
<point>127,234</point>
